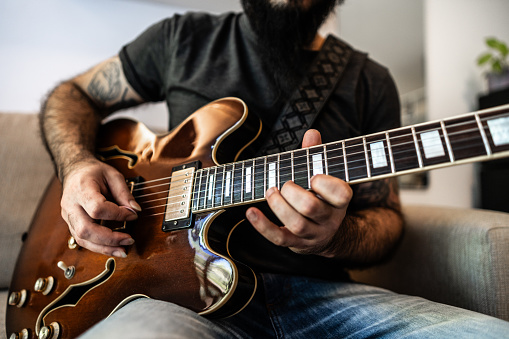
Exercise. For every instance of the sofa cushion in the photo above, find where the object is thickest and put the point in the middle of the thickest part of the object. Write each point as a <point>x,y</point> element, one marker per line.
<point>25,170</point>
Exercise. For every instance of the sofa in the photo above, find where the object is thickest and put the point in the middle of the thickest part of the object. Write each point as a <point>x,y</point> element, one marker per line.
<point>454,256</point>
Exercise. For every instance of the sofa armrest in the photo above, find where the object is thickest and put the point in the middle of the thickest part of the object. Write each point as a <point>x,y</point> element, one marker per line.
<point>454,256</point>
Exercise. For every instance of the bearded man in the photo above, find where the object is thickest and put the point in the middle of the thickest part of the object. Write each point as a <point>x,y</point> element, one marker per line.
<point>260,56</point>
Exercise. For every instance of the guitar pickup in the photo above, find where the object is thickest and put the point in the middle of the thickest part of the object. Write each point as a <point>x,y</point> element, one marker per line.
<point>178,206</point>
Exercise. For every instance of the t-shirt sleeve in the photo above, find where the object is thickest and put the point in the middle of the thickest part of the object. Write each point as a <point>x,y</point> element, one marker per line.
<point>143,60</point>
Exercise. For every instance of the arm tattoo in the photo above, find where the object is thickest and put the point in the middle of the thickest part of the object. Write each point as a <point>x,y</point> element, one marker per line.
<point>105,85</point>
<point>379,193</point>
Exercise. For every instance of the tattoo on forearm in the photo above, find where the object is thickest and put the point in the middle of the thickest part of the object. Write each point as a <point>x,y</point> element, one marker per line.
<point>380,193</point>
<point>105,85</point>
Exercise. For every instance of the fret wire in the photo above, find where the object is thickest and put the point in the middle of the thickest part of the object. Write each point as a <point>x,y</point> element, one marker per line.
<point>222,185</point>
<point>367,157</point>
<point>447,141</point>
<point>417,150</point>
<point>214,188</point>
<point>242,174</point>
<point>253,182</point>
<point>199,189</point>
<point>483,134</point>
<point>207,183</point>
<point>389,149</point>
<point>265,185</point>
<point>325,160</point>
<point>347,176</point>
<point>232,183</point>
<point>307,163</point>
<point>293,167</point>
<point>278,177</point>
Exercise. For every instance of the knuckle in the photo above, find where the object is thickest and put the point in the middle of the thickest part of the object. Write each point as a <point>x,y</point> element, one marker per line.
<point>299,228</point>
<point>310,207</point>
<point>94,210</point>
<point>81,233</point>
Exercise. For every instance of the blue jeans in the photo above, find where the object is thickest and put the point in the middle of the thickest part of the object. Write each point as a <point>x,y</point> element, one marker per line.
<point>297,307</point>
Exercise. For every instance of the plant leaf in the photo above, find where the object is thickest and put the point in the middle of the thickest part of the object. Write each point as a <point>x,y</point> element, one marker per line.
<point>497,67</point>
<point>484,58</point>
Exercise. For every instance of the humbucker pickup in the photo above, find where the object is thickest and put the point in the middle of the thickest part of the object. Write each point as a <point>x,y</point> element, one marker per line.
<point>178,205</point>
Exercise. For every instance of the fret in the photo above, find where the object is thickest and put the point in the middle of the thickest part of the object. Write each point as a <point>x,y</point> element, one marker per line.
<point>272,171</point>
<point>465,137</point>
<point>253,189</point>
<point>345,162</point>
<point>300,166</point>
<point>417,149</point>
<point>285,168</point>
<point>228,184</point>
<point>259,178</point>
<point>447,141</point>
<point>242,183</point>
<point>203,186</point>
<point>237,183</point>
<point>483,134</point>
<point>326,161</point>
<point>218,192</point>
<point>279,169</point>
<point>378,157</point>
<point>264,175</point>
<point>335,162</point>
<point>307,165</point>
<point>210,188</point>
<point>366,157</point>
<point>356,159</point>
<point>316,158</point>
<point>196,189</point>
<point>292,167</point>
<point>404,149</point>
<point>248,182</point>
<point>391,157</point>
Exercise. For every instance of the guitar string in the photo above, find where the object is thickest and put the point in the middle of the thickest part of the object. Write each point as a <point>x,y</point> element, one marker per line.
<point>393,139</point>
<point>224,205</point>
<point>350,168</point>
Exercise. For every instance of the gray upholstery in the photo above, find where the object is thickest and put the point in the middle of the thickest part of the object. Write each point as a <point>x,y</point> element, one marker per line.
<point>450,255</point>
<point>456,256</point>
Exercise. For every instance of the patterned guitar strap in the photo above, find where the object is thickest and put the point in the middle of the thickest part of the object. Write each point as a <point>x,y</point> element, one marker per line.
<point>309,98</point>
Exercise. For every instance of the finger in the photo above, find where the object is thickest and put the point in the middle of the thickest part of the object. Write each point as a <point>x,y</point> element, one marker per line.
<point>333,190</point>
<point>95,237</point>
<point>311,138</point>
<point>120,191</point>
<point>98,207</point>
<point>306,202</point>
<point>279,236</point>
<point>291,218</point>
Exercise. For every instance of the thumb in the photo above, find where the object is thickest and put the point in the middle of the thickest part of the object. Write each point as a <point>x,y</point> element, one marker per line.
<point>311,138</point>
<point>121,193</point>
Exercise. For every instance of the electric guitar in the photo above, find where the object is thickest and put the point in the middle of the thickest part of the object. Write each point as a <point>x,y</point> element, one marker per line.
<point>193,246</point>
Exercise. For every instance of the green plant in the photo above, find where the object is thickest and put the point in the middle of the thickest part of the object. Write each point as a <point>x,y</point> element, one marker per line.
<point>497,56</point>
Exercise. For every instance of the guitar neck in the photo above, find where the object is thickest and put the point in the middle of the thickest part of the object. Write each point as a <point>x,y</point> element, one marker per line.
<point>477,136</point>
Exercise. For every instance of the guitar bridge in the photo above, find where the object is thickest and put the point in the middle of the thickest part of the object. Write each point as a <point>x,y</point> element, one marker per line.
<point>178,207</point>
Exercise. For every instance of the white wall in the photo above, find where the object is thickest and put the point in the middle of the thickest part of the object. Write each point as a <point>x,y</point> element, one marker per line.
<point>454,37</point>
<point>45,42</point>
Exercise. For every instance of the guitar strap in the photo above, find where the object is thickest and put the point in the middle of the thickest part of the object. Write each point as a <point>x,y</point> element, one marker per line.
<point>309,98</point>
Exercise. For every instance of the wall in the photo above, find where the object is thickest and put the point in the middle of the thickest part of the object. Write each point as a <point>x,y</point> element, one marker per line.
<point>45,42</point>
<point>454,37</point>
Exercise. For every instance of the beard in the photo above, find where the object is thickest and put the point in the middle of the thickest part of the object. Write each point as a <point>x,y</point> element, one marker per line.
<point>283,30</point>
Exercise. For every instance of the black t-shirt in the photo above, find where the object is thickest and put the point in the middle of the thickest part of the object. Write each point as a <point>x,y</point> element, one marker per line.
<point>190,60</point>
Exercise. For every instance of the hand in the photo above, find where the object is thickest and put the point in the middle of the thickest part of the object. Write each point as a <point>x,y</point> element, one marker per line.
<point>84,200</point>
<point>310,218</point>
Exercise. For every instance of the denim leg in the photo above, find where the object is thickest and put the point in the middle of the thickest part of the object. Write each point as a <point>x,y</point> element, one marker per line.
<point>149,318</point>
<point>308,308</point>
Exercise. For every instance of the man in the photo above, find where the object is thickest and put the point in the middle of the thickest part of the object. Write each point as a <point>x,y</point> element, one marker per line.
<point>259,56</point>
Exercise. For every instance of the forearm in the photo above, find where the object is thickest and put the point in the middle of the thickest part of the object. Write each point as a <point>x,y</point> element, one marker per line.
<point>367,236</point>
<point>69,122</point>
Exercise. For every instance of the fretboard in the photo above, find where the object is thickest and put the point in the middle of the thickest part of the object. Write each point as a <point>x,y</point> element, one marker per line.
<point>472,137</point>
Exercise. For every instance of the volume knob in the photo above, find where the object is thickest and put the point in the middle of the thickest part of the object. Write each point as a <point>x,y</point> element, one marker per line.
<point>18,298</point>
<point>52,331</point>
<point>44,285</point>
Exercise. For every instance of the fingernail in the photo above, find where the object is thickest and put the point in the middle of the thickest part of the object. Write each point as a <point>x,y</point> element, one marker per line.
<point>129,209</point>
<point>127,242</point>
<point>270,191</point>
<point>119,254</point>
<point>135,205</point>
<point>251,215</point>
